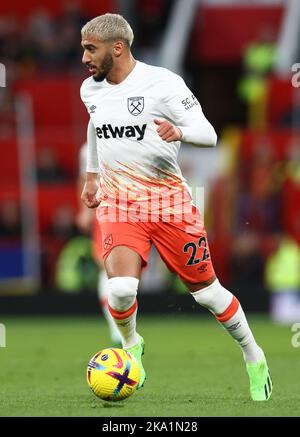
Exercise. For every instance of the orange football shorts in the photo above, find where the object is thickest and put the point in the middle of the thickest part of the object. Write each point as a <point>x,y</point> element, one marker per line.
<point>184,249</point>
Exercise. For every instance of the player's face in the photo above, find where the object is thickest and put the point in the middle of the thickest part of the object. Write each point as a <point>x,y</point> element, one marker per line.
<point>97,56</point>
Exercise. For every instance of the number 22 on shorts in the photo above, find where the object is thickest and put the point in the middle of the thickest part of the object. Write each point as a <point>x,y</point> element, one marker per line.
<point>193,248</point>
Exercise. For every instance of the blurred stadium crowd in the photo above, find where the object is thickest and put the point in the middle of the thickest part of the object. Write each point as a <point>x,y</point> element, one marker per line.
<point>252,207</point>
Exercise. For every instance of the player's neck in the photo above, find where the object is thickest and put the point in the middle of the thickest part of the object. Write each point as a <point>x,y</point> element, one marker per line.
<point>121,70</point>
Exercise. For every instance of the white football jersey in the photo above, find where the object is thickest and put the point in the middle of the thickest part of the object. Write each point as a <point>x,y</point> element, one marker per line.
<point>130,154</point>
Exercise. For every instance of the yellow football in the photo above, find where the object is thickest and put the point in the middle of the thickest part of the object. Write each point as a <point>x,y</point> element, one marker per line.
<point>113,374</point>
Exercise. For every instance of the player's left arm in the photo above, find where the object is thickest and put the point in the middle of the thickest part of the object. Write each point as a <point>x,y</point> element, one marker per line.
<point>184,120</point>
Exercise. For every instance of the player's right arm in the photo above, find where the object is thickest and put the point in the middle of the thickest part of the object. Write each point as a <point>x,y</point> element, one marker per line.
<point>91,186</point>
<point>85,216</point>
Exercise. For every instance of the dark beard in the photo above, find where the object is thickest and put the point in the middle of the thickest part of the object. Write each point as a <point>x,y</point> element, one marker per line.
<point>105,68</point>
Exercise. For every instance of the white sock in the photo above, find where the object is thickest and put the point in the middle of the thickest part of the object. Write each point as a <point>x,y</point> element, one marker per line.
<point>127,328</point>
<point>238,328</point>
<point>122,304</point>
<point>228,311</point>
<point>103,296</point>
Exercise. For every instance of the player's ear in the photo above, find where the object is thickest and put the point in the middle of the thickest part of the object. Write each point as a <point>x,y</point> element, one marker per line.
<point>118,48</point>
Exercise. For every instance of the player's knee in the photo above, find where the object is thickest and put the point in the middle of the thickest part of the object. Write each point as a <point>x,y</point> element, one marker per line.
<point>122,292</point>
<point>215,297</point>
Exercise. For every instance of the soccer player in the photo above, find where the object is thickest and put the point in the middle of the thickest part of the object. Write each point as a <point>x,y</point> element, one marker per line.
<point>88,224</point>
<point>139,114</point>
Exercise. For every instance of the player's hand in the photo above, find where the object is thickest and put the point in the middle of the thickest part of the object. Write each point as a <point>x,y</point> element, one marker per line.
<point>167,131</point>
<point>89,193</point>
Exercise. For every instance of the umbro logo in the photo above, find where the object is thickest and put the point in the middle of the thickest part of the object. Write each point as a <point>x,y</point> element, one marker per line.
<point>92,109</point>
<point>233,327</point>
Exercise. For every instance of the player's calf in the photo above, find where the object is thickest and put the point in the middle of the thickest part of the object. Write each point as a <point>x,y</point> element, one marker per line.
<point>228,311</point>
<point>122,304</point>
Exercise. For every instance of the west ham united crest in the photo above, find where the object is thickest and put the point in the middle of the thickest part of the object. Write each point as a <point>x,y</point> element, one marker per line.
<point>135,105</point>
<point>108,241</point>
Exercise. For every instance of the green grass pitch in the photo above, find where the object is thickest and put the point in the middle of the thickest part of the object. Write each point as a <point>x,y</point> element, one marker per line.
<point>193,369</point>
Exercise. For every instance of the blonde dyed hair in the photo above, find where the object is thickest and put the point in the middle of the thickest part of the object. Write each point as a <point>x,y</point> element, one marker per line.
<point>109,27</point>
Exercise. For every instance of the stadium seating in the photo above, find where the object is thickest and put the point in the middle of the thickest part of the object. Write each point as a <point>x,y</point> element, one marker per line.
<point>55,7</point>
<point>51,197</point>
<point>291,208</point>
<point>9,175</point>
<point>278,139</point>
<point>56,100</point>
<point>218,39</point>
<point>280,100</point>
